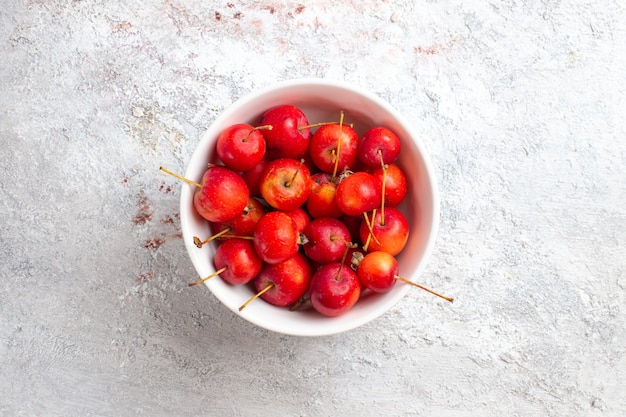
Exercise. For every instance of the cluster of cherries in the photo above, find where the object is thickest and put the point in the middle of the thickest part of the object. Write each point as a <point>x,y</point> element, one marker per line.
<point>305,213</point>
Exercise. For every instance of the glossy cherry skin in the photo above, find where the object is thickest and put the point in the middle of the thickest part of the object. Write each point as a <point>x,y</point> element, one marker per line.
<point>377,271</point>
<point>222,196</point>
<point>300,217</point>
<point>287,138</point>
<point>327,240</point>
<point>322,201</point>
<point>335,289</point>
<point>332,142</point>
<point>252,177</point>
<point>395,184</point>
<point>290,279</point>
<point>240,259</point>
<point>391,235</point>
<point>245,223</point>
<point>358,193</point>
<point>240,147</point>
<point>276,237</point>
<point>285,184</point>
<point>378,142</point>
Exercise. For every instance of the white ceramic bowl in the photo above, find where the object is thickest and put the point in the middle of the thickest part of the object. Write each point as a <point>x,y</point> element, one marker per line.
<point>321,100</point>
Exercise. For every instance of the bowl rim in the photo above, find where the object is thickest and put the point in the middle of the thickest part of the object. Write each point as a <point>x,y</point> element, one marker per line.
<point>309,82</point>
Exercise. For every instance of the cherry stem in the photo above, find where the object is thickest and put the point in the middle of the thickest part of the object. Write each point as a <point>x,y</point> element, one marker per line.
<point>321,124</point>
<point>338,146</point>
<point>340,267</point>
<point>371,235</point>
<point>238,237</point>
<point>188,181</point>
<point>214,274</point>
<point>257,295</point>
<point>199,243</point>
<point>382,205</point>
<point>349,245</point>
<point>264,127</point>
<point>295,174</point>
<point>424,288</point>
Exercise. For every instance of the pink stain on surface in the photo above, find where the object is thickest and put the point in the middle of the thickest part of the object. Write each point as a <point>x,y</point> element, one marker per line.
<point>120,26</point>
<point>144,211</point>
<point>165,188</point>
<point>154,243</point>
<point>429,50</point>
<point>145,277</point>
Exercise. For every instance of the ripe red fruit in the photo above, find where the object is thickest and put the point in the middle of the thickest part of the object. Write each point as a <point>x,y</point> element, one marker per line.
<point>334,147</point>
<point>390,232</point>
<point>287,138</point>
<point>395,184</point>
<point>289,280</point>
<point>321,201</point>
<point>222,196</point>
<point>240,146</point>
<point>239,258</point>
<point>378,142</point>
<point>245,223</point>
<point>358,193</point>
<point>300,217</point>
<point>276,237</point>
<point>327,240</point>
<point>252,177</point>
<point>377,271</point>
<point>335,289</point>
<point>285,184</point>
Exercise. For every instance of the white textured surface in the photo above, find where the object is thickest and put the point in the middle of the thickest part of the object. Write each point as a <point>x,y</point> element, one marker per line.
<point>521,105</point>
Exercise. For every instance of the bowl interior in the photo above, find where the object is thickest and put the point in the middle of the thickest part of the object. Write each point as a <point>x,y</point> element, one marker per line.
<point>321,100</point>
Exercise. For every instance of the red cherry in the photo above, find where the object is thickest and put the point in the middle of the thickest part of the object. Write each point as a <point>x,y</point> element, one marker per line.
<point>222,196</point>
<point>395,184</point>
<point>378,143</point>
<point>321,201</point>
<point>276,237</point>
<point>239,258</point>
<point>240,146</point>
<point>335,289</point>
<point>300,217</point>
<point>288,138</point>
<point>358,193</point>
<point>252,177</point>
<point>390,232</point>
<point>326,240</point>
<point>245,223</point>
<point>377,271</point>
<point>334,147</point>
<point>288,280</point>
<point>236,261</point>
<point>285,184</point>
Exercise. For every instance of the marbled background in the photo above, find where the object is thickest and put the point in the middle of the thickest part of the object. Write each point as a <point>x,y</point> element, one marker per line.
<point>520,105</point>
